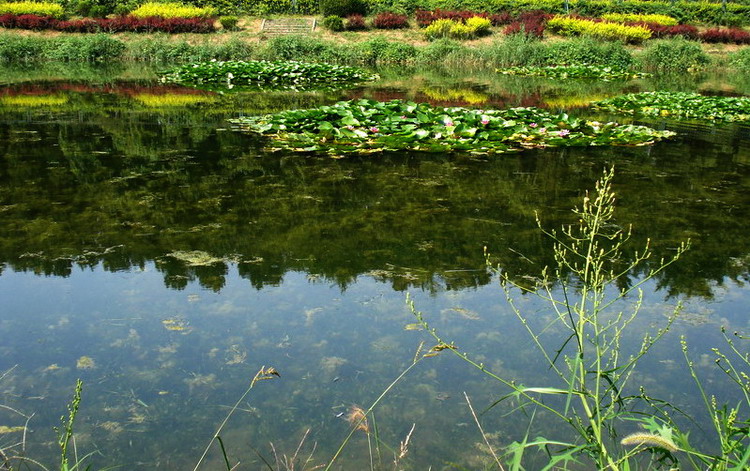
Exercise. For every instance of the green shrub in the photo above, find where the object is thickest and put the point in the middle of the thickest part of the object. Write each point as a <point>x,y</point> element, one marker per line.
<point>14,48</point>
<point>229,23</point>
<point>674,55</point>
<point>568,26</point>
<point>588,51</point>
<point>741,59</point>
<point>402,7</point>
<point>293,47</point>
<point>379,50</point>
<point>437,51</point>
<point>342,8</point>
<point>515,50</point>
<point>640,18</point>
<point>333,23</point>
<point>88,48</point>
<point>32,8</point>
<point>171,10</point>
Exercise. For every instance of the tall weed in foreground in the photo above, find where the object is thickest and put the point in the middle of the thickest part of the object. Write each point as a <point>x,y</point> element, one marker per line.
<point>589,370</point>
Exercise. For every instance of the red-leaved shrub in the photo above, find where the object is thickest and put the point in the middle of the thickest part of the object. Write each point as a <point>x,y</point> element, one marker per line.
<point>663,31</point>
<point>528,28</point>
<point>35,22</point>
<point>728,35</point>
<point>355,22</point>
<point>500,19</point>
<point>85,25</point>
<point>388,20</point>
<point>530,23</point>
<point>112,25</point>
<point>425,18</point>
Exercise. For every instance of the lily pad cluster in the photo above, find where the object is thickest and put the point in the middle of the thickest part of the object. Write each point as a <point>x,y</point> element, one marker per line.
<point>679,105</point>
<point>364,126</point>
<point>281,74</point>
<point>575,72</point>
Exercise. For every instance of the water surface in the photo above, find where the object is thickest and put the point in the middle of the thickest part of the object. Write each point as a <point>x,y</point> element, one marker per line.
<point>164,258</point>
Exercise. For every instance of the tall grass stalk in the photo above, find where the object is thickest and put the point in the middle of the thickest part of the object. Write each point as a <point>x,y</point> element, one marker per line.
<point>590,371</point>
<point>262,374</point>
<point>362,417</point>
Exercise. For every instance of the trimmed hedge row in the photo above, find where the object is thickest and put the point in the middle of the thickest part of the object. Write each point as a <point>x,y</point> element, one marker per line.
<point>171,10</point>
<point>32,8</point>
<point>567,26</point>
<point>683,10</point>
<point>110,25</point>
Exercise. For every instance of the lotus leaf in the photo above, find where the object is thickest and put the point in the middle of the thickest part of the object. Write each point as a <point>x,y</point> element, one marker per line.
<point>400,125</point>
<point>278,74</point>
<point>680,105</point>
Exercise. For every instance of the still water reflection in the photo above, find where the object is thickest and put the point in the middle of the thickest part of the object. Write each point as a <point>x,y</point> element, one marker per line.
<point>164,258</point>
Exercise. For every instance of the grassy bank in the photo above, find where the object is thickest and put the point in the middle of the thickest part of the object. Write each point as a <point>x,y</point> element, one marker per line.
<point>364,48</point>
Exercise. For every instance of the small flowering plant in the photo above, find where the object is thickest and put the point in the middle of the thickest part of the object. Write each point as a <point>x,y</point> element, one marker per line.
<point>364,126</point>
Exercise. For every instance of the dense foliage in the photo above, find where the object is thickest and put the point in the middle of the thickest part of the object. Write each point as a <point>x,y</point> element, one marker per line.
<point>674,55</point>
<point>639,18</point>
<point>171,10</point>
<point>279,73</point>
<point>574,72</point>
<point>366,126</point>
<point>116,24</point>
<point>680,105</point>
<point>32,8</point>
<point>570,26</point>
<point>389,20</point>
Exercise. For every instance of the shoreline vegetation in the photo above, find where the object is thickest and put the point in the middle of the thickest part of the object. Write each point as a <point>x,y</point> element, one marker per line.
<point>370,49</point>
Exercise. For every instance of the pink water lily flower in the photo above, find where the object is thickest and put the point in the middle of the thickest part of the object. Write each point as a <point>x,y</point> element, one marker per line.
<point>563,133</point>
<point>533,125</point>
<point>485,121</point>
<point>448,122</point>
<point>374,129</point>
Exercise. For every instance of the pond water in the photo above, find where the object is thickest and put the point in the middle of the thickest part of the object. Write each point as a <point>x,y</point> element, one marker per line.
<point>163,258</point>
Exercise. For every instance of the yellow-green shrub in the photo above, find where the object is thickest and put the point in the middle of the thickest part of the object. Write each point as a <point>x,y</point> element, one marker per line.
<point>171,10</point>
<point>439,29</point>
<point>32,8</point>
<point>637,18</point>
<point>445,28</point>
<point>479,25</point>
<point>567,26</point>
<point>33,101</point>
<point>461,31</point>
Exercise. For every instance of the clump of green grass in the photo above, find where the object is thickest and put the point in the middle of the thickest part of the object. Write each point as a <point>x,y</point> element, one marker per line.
<point>674,56</point>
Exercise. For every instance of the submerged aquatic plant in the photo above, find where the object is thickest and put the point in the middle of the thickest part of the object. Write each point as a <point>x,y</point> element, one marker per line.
<point>365,126</point>
<point>277,73</point>
<point>680,105</point>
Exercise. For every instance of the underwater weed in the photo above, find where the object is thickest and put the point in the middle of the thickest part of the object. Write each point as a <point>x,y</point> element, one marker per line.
<point>262,374</point>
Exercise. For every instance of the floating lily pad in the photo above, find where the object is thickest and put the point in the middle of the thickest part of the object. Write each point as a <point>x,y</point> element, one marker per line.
<point>565,72</point>
<point>266,74</point>
<point>679,105</point>
<point>365,126</point>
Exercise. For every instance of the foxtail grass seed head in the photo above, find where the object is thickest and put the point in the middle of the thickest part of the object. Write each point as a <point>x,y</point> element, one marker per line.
<point>650,440</point>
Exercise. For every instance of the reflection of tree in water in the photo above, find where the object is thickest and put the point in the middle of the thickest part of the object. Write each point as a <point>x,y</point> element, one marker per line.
<point>123,189</point>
